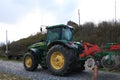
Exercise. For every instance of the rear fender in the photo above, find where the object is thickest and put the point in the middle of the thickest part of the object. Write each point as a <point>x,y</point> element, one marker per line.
<point>66,44</point>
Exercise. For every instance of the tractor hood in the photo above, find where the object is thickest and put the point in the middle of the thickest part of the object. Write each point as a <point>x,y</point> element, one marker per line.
<point>39,45</point>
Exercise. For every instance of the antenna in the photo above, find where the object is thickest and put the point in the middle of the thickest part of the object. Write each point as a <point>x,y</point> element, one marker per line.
<point>79,16</point>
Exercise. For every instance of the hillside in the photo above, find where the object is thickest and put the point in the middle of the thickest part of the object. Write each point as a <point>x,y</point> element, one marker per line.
<point>20,46</point>
<point>104,32</point>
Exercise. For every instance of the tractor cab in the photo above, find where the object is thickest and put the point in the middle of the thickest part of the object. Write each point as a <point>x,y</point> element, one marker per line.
<point>59,32</point>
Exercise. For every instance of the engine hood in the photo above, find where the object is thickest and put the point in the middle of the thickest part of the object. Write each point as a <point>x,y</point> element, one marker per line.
<point>39,45</point>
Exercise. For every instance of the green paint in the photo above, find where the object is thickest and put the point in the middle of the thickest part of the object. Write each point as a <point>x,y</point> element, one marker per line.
<point>40,46</point>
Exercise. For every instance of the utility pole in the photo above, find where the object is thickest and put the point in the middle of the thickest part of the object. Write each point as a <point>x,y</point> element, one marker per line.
<point>115,21</point>
<point>115,13</point>
<point>79,16</point>
<point>6,43</point>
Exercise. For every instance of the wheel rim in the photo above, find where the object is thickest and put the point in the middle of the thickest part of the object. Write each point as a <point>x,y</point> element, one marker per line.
<point>57,60</point>
<point>28,61</point>
<point>107,62</point>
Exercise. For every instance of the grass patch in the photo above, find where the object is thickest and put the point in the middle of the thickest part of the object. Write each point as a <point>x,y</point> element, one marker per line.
<point>106,70</point>
<point>4,58</point>
<point>6,76</point>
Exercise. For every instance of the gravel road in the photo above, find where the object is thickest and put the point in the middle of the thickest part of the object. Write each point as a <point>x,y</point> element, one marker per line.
<point>40,74</point>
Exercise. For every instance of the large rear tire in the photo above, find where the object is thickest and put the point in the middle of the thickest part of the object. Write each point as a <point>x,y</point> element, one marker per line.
<point>30,63</point>
<point>59,60</point>
<point>79,66</point>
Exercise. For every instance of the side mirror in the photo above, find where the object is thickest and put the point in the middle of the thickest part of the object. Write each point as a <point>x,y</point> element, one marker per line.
<point>41,29</point>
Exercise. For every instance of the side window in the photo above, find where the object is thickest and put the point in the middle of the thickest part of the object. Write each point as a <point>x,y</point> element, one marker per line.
<point>53,34</point>
<point>67,34</point>
<point>64,34</point>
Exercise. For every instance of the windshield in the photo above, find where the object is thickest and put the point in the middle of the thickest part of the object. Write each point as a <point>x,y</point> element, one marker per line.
<point>67,34</point>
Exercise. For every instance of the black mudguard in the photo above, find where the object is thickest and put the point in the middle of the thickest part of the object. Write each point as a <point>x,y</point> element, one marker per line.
<point>36,54</point>
<point>66,44</point>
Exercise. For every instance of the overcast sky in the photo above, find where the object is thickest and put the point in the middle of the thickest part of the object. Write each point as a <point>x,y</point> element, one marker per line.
<point>21,18</point>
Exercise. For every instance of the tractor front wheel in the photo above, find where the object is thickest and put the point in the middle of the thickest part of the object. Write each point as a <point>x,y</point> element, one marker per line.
<point>59,60</point>
<point>30,63</point>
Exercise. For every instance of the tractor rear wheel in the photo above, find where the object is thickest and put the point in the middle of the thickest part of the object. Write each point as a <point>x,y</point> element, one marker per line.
<point>59,60</point>
<point>78,66</point>
<point>30,63</point>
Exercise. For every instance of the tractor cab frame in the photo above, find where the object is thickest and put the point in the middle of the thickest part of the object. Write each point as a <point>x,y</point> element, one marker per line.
<point>59,32</point>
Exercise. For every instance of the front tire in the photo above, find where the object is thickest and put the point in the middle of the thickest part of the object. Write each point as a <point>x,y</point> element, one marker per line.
<point>30,63</point>
<point>9,57</point>
<point>59,60</point>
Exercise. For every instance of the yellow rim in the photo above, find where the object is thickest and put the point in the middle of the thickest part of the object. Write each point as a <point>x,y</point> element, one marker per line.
<point>57,60</point>
<point>28,61</point>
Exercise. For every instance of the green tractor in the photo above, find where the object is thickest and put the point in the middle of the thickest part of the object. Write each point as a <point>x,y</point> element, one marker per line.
<point>59,53</point>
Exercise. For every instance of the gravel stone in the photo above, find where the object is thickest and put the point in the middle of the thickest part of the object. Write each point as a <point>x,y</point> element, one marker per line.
<point>17,68</point>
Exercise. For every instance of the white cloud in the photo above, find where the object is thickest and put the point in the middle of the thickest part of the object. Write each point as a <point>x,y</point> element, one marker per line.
<point>49,19</point>
<point>27,25</point>
<point>96,10</point>
<point>9,28</point>
<point>117,9</point>
<point>60,2</point>
<point>31,21</point>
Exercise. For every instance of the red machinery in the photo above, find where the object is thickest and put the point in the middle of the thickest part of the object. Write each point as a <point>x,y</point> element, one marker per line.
<point>115,47</point>
<point>110,54</point>
<point>89,49</point>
